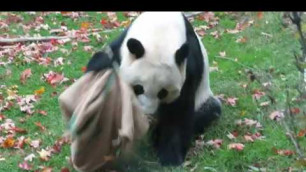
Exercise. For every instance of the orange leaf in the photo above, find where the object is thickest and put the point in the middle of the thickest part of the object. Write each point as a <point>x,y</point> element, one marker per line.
<point>8,142</point>
<point>85,25</point>
<point>259,15</point>
<point>40,91</point>
<point>302,133</point>
<point>25,75</point>
<point>84,68</point>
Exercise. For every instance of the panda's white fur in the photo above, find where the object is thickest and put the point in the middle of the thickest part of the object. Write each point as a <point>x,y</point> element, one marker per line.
<point>161,34</point>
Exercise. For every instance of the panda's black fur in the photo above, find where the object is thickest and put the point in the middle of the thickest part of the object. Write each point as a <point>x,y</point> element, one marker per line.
<point>177,122</point>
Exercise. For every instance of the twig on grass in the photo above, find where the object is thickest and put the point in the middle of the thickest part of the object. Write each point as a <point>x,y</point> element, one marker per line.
<point>192,14</point>
<point>230,59</point>
<point>47,38</point>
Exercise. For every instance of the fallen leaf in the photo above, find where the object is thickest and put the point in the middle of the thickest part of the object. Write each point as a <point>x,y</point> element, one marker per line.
<point>257,94</point>
<point>215,34</point>
<point>276,115</point>
<point>25,75</point>
<point>108,158</point>
<point>248,138</point>
<point>241,40</point>
<point>65,169</point>
<point>295,110</point>
<point>20,142</point>
<point>230,136</point>
<point>41,127</point>
<point>88,48</point>
<point>236,146</point>
<point>8,142</point>
<point>264,103</point>
<point>283,152</point>
<point>29,157</point>
<point>42,112</point>
<point>84,68</point>
<point>222,53</point>
<point>25,166</point>
<point>215,143</point>
<point>259,15</point>
<point>302,133</point>
<point>232,31</point>
<point>40,91</point>
<point>85,25</point>
<point>35,143</point>
<point>231,101</point>
<point>44,155</point>
<point>19,130</point>
<point>59,61</point>
<point>46,169</point>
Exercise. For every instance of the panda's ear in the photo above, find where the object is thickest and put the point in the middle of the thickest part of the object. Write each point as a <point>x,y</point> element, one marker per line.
<point>181,54</point>
<point>135,47</point>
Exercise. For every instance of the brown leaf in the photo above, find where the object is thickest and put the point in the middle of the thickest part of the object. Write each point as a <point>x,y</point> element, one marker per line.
<point>41,127</point>
<point>302,133</point>
<point>65,169</point>
<point>42,112</point>
<point>19,130</point>
<point>25,75</point>
<point>295,110</point>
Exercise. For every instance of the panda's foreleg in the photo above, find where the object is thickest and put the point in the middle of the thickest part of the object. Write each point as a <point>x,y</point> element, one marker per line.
<point>209,111</point>
<point>172,141</point>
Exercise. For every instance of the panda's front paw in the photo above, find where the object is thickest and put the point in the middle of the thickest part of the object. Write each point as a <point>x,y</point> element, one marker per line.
<point>171,159</point>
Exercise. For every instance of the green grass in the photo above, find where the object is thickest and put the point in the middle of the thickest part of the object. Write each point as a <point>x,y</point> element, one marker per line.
<point>259,53</point>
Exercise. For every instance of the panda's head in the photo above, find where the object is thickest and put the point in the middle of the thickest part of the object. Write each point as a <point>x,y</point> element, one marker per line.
<point>155,72</point>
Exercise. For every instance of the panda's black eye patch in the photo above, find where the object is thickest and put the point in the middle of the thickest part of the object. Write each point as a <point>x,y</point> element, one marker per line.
<point>138,89</point>
<point>162,93</point>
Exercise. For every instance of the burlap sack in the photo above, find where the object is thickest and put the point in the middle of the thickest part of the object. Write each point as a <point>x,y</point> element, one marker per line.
<point>102,119</point>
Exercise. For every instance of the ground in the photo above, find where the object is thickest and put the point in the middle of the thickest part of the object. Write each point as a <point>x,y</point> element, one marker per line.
<point>252,71</point>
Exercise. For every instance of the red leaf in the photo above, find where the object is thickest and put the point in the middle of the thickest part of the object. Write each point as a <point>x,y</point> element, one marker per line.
<point>38,124</point>
<point>236,146</point>
<point>284,152</point>
<point>103,21</point>
<point>295,110</point>
<point>54,42</point>
<point>25,75</point>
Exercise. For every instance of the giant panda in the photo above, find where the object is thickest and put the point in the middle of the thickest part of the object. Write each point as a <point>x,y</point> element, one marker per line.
<point>162,58</point>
